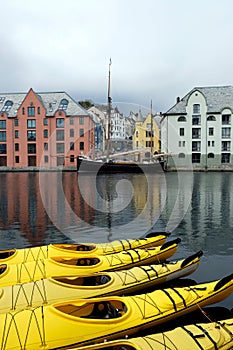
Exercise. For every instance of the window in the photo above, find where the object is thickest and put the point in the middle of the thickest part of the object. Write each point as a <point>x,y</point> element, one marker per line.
<point>31,135</point>
<point>16,134</point>
<point>149,143</point>
<point>38,110</point>
<point>60,122</point>
<point>31,148</point>
<point>7,106</point>
<point>196,157</point>
<point>60,147</point>
<point>31,123</point>
<point>71,121</point>
<point>46,134</point>
<point>71,146</point>
<point>2,136</point>
<point>226,133</point>
<point>212,143</point>
<point>149,134</point>
<point>210,155</point>
<point>63,104</point>
<point>46,146</point>
<point>45,121</point>
<point>226,146</point>
<point>16,159</point>
<point>196,108</point>
<point>2,148</point>
<point>16,122</point>
<point>81,146</point>
<point>72,158</point>
<point>81,132</point>
<point>225,158</point>
<point>81,120</point>
<point>211,118</point>
<point>31,111</point>
<point>136,144</point>
<point>211,131</point>
<point>136,133</point>
<point>23,110</point>
<point>181,143</point>
<point>181,131</point>
<point>2,124</point>
<point>46,159</point>
<point>181,119</point>
<point>16,147</point>
<point>196,119</point>
<point>196,133</point>
<point>181,155</point>
<point>60,135</point>
<point>226,119</point>
<point>196,146</point>
<point>71,132</point>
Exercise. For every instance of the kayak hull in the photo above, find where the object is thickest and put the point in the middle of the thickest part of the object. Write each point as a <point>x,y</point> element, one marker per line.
<point>75,323</point>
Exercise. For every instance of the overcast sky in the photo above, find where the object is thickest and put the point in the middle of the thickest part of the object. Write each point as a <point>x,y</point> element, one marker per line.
<point>160,49</point>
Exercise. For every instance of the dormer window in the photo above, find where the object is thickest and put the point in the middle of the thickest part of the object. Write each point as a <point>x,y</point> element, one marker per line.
<point>63,104</point>
<point>7,106</point>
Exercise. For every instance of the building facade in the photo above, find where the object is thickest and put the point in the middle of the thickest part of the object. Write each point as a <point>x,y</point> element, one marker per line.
<point>147,135</point>
<point>43,130</point>
<point>196,131</point>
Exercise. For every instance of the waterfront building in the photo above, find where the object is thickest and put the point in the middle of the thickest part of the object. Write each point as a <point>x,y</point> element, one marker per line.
<point>43,130</point>
<point>147,134</point>
<point>197,130</point>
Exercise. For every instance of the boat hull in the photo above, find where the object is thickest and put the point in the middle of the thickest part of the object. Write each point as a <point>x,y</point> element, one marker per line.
<point>56,289</point>
<point>11,274</point>
<point>98,167</point>
<point>17,256</point>
<point>71,323</point>
<point>211,336</point>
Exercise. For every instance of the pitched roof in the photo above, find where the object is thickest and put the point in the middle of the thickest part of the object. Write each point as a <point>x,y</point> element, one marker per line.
<point>50,100</point>
<point>217,98</point>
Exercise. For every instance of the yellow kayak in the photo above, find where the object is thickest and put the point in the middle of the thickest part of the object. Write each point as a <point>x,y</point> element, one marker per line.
<point>206,336</point>
<point>55,289</point>
<point>82,322</point>
<point>59,266</point>
<point>17,256</point>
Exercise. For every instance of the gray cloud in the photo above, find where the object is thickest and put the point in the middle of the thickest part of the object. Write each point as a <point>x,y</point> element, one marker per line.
<point>160,49</point>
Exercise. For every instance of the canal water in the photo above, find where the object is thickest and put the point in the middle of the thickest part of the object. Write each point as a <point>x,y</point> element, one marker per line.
<point>49,207</point>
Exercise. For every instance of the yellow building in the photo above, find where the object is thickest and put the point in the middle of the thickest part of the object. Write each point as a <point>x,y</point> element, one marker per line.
<point>147,135</point>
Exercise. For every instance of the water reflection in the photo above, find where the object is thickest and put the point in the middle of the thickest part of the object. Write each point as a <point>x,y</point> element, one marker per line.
<point>49,207</point>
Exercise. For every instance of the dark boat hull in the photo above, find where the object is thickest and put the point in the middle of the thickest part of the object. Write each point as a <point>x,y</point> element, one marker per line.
<point>86,165</point>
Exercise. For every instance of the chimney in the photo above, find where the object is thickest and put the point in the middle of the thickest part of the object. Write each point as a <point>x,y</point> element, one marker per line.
<point>177,99</point>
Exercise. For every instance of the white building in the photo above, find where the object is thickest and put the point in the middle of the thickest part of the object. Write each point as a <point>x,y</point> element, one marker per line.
<point>197,130</point>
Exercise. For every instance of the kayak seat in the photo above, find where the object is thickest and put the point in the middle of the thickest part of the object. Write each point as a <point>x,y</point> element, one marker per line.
<point>104,310</point>
<point>87,262</point>
<point>83,248</point>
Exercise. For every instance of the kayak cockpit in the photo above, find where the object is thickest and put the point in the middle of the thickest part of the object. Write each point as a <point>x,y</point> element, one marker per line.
<point>77,262</point>
<point>4,254</point>
<point>85,281</point>
<point>104,309</point>
<point>76,247</point>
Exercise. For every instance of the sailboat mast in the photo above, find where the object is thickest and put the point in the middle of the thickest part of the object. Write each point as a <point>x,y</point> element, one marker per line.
<point>109,111</point>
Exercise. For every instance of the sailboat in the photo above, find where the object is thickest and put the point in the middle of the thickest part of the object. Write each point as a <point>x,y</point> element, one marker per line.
<point>122,162</point>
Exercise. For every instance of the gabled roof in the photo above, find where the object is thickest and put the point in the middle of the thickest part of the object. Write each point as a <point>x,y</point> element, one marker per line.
<point>217,98</point>
<point>50,100</point>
